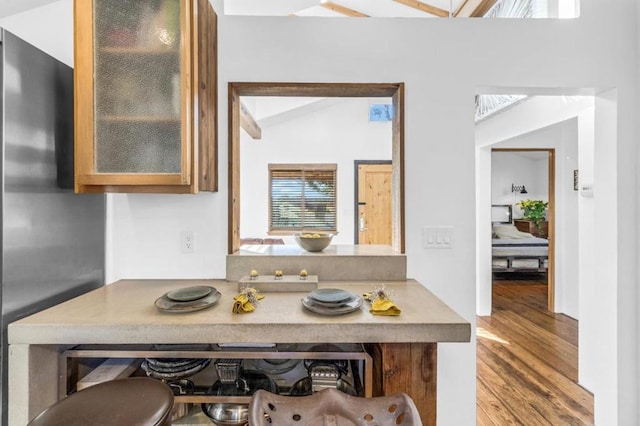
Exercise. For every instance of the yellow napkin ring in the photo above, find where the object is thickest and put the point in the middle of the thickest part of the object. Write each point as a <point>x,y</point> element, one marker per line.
<point>246,301</point>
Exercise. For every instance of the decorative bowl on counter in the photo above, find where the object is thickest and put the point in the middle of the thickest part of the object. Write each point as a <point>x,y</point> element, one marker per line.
<point>313,241</point>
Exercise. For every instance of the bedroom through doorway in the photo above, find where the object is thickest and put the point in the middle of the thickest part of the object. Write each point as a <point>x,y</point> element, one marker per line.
<point>522,223</point>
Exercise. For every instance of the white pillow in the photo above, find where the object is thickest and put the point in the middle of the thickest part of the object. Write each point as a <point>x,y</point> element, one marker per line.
<point>509,232</point>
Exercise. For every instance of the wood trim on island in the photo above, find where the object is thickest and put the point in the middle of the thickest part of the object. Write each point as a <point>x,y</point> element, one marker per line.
<point>410,368</point>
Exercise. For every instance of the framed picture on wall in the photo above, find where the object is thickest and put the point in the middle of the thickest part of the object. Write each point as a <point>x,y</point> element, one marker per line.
<point>575,180</point>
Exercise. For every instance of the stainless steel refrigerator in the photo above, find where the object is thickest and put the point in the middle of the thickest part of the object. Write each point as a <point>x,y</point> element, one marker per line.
<point>53,241</point>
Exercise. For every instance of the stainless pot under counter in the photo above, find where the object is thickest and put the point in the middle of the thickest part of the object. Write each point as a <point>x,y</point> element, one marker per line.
<point>180,409</point>
<point>227,414</point>
<point>232,414</point>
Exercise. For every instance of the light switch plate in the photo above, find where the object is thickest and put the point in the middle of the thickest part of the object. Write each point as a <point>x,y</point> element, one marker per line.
<point>437,237</point>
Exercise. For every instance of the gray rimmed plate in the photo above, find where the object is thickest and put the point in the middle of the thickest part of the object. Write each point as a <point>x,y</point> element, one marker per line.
<point>165,304</point>
<point>331,295</point>
<point>346,308</point>
<point>189,294</point>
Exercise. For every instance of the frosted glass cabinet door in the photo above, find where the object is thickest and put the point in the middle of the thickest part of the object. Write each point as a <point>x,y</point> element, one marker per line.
<point>145,96</point>
<point>137,48</point>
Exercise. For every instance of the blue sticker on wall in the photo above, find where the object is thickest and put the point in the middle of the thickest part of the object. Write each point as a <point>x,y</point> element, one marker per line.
<point>381,112</point>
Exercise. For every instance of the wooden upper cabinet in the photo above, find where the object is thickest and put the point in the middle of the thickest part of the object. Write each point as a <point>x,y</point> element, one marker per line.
<point>145,96</point>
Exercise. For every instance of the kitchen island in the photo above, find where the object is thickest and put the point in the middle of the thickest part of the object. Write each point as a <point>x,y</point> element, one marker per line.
<point>404,348</point>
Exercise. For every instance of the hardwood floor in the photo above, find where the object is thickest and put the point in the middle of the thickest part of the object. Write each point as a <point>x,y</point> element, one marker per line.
<point>528,362</point>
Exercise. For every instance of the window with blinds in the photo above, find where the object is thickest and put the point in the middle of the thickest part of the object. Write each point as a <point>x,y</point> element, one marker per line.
<point>302,197</point>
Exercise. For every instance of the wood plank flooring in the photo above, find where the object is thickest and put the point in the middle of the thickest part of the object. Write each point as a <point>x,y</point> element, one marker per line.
<point>527,363</point>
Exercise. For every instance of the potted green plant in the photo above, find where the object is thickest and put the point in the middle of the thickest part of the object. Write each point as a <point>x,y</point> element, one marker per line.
<point>534,210</point>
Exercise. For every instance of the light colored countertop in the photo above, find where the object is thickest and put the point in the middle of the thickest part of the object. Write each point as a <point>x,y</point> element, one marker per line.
<point>332,250</point>
<point>334,263</point>
<point>124,312</point>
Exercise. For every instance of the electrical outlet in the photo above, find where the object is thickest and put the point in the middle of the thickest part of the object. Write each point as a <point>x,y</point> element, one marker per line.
<point>187,241</point>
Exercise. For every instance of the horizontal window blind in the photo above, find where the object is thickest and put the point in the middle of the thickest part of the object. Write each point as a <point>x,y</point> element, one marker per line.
<point>302,197</point>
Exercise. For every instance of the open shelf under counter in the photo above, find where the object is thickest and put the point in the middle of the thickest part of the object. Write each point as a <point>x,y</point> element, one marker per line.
<point>78,362</point>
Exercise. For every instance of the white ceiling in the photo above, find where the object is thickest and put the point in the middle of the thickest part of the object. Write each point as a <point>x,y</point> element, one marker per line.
<point>11,7</point>
<point>270,110</point>
<point>373,8</point>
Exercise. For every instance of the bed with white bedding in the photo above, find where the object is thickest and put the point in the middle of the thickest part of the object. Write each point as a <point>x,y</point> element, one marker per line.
<point>519,255</point>
<point>516,251</point>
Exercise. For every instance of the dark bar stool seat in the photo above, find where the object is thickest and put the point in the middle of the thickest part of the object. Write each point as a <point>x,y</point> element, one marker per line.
<point>137,401</point>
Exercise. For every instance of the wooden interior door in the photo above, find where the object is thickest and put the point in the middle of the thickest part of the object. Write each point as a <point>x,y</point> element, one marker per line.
<point>374,204</point>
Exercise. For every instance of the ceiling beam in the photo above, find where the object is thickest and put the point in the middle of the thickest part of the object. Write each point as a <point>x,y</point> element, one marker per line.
<point>474,8</point>
<point>424,7</point>
<point>343,10</point>
<point>248,123</point>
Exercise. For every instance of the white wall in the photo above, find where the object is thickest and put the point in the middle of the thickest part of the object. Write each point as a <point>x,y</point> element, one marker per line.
<point>607,253</point>
<point>512,168</point>
<point>588,343</point>
<point>49,28</point>
<point>463,57</point>
<point>338,133</point>
<point>568,230</point>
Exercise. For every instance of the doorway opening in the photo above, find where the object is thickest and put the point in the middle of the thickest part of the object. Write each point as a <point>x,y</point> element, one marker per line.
<point>523,246</point>
<point>507,321</point>
<point>373,203</point>
<point>393,91</point>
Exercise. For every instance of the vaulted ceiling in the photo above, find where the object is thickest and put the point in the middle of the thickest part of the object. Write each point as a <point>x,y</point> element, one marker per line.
<point>485,105</point>
<point>11,7</point>
<point>361,8</point>
<point>328,8</point>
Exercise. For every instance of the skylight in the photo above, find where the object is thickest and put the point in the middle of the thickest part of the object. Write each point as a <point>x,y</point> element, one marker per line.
<point>486,105</point>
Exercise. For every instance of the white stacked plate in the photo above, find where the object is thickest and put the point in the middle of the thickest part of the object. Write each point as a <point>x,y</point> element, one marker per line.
<point>332,301</point>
